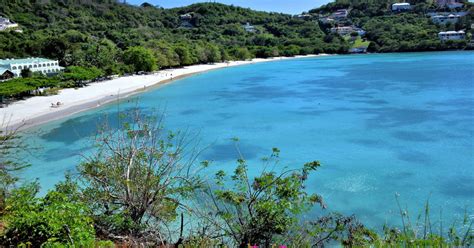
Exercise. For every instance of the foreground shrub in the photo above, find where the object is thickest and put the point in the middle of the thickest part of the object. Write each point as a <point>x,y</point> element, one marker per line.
<point>51,221</point>
<point>138,179</point>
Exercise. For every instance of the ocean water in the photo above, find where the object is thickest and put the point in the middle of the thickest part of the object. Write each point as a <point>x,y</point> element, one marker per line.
<point>380,125</point>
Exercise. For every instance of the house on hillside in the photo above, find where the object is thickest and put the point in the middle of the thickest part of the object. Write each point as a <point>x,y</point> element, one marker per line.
<point>327,20</point>
<point>342,30</point>
<point>400,7</point>
<point>345,30</point>
<point>340,14</point>
<point>445,19</point>
<point>6,24</point>
<point>452,35</point>
<point>186,20</point>
<point>304,16</point>
<point>249,28</point>
<point>452,4</point>
<point>15,66</point>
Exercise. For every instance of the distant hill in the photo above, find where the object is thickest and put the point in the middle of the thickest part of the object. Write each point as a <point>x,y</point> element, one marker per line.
<point>98,32</point>
<point>399,32</point>
<point>66,30</point>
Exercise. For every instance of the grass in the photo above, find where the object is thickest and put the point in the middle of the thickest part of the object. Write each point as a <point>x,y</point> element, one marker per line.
<point>360,43</point>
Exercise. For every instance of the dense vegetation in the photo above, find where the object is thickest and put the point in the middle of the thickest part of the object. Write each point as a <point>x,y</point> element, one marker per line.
<point>401,32</point>
<point>144,187</point>
<point>96,33</point>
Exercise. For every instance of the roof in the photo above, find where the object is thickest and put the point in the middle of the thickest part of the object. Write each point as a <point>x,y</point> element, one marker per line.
<point>3,69</point>
<point>24,61</point>
<point>452,32</point>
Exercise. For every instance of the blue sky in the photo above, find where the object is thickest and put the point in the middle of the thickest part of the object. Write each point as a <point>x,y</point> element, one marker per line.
<point>285,6</point>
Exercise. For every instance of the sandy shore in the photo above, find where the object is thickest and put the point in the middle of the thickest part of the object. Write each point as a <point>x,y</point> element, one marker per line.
<point>37,110</point>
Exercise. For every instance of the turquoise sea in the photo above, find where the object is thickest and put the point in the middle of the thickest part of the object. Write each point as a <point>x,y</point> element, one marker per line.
<point>380,124</point>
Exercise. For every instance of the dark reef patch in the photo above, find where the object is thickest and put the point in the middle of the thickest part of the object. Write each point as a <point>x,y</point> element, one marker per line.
<point>413,136</point>
<point>230,152</point>
<point>414,157</point>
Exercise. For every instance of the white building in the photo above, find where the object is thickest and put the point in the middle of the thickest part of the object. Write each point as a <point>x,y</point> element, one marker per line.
<point>347,30</point>
<point>5,24</point>
<point>442,19</point>
<point>340,14</point>
<point>45,66</point>
<point>186,20</point>
<point>452,35</point>
<point>401,7</point>
<point>327,20</point>
<point>249,28</point>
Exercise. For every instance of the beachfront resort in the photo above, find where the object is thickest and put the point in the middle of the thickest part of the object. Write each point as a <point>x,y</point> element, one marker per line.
<point>11,68</point>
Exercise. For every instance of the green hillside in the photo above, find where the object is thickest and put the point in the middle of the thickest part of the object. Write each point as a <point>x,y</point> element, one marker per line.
<point>400,32</point>
<point>73,33</point>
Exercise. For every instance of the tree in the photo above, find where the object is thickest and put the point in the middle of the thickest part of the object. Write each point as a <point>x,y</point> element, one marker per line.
<point>140,58</point>
<point>138,179</point>
<point>213,53</point>
<point>10,145</point>
<point>241,53</point>
<point>184,55</point>
<point>26,73</point>
<point>255,211</point>
<point>79,74</point>
<point>50,221</point>
<point>102,54</point>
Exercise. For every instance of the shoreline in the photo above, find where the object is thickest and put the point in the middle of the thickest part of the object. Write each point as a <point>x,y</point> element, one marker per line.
<point>37,110</point>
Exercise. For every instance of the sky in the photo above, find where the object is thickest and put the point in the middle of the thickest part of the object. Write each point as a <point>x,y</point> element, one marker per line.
<point>284,6</point>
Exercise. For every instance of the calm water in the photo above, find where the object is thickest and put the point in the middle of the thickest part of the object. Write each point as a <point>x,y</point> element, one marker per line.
<point>380,124</point>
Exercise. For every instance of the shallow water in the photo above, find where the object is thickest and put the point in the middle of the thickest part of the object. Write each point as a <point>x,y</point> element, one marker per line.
<point>380,124</point>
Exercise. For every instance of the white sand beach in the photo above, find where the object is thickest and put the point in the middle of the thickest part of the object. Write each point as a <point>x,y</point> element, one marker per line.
<point>38,110</point>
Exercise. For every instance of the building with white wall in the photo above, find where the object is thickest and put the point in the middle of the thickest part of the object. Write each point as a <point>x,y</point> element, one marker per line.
<point>45,66</point>
<point>401,7</point>
<point>5,24</point>
<point>345,30</point>
<point>446,19</point>
<point>452,35</point>
<point>249,28</point>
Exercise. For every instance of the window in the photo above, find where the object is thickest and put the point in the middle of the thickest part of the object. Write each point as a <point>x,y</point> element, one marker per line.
<point>14,68</point>
<point>19,67</point>
<point>48,64</point>
<point>35,66</point>
<point>30,66</point>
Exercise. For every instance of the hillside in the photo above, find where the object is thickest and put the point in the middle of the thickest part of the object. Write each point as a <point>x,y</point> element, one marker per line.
<point>412,30</point>
<point>69,31</point>
<point>74,32</point>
